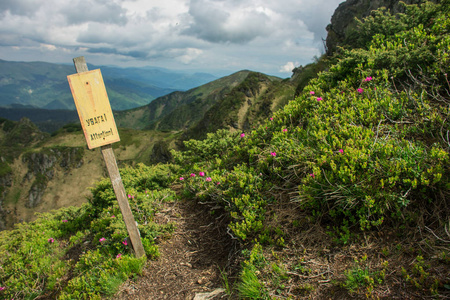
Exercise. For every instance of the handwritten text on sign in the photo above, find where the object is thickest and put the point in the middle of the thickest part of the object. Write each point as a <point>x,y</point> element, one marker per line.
<point>94,110</point>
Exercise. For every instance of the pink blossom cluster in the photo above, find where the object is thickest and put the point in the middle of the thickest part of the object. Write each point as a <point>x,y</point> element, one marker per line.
<point>201,174</point>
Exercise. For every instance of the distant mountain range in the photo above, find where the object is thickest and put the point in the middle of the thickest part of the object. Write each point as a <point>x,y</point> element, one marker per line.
<point>44,85</point>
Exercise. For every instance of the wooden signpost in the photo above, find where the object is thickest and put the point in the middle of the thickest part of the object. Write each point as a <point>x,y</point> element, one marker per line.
<point>99,127</point>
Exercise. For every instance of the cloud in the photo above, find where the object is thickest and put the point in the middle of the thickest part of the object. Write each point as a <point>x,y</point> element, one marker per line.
<point>260,35</point>
<point>311,12</point>
<point>109,51</point>
<point>48,47</point>
<point>288,67</point>
<point>227,21</point>
<point>189,55</point>
<point>19,7</point>
<point>99,11</point>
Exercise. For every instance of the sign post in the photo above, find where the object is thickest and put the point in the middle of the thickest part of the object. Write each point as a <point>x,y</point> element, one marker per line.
<point>99,127</point>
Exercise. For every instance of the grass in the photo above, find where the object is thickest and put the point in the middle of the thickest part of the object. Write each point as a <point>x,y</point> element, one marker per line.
<point>77,252</point>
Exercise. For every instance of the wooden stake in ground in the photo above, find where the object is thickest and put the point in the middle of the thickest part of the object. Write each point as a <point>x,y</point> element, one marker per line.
<point>100,130</point>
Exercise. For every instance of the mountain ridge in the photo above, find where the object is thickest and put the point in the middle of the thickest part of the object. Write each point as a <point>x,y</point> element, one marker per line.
<point>44,85</point>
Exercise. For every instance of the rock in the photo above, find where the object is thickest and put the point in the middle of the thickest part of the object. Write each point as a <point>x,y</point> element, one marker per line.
<point>36,192</point>
<point>208,296</point>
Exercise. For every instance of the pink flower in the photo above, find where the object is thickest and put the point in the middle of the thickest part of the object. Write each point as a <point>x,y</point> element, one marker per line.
<point>125,242</point>
<point>341,150</point>
<point>319,99</point>
<point>284,130</point>
<point>360,90</point>
<point>119,255</point>
<point>208,179</point>
<point>65,221</point>
<point>242,135</point>
<point>192,175</point>
<point>181,178</point>
<point>113,216</point>
<point>271,119</point>
<point>201,174</point>
<point>312,175</point>
<point>129,196</point>
<point>273,154</point>
<point>2,288</point>
<point>311,93</point>
<point>218,183</point>
<point>50,240</point>
<point>369,78</point>
<point>102,240</point>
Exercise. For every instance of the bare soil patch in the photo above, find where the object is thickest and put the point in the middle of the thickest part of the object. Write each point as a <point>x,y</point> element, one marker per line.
<point>192,260</point>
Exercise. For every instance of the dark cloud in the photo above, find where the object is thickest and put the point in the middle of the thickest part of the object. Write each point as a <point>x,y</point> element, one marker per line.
<point>212,21</point>
<point>109,51</point>
<point>19,7</point>
<point>81,11</point>
<point>317,24</point>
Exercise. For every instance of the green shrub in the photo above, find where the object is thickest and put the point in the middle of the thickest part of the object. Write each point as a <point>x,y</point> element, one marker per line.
<point>85,252</point>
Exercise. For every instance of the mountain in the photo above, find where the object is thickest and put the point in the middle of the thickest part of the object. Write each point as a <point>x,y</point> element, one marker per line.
<point>38,170</point>
<point>44,85</point>
<point>232,102</point>
<point>163,78</point>
<point>189,106</point>
<point>47,120</point>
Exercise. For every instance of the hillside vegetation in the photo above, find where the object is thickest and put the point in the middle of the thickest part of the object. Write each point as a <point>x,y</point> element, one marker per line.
<point>38,170</point>
<point>341,194</point>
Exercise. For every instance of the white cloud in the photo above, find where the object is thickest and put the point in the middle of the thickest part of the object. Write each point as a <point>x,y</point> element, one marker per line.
<point>288,67</point>
<point>48,47</point>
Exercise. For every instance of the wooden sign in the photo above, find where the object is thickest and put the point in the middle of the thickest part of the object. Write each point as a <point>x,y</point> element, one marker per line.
<point>94,109</point>
<point>100,129</point>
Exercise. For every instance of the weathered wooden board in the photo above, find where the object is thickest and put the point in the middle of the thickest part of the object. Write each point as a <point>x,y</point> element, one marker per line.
<point>94,109</point>
<point>95,99</point>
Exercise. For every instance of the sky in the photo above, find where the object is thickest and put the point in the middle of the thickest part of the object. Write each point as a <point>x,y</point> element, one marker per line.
<point>213,36</point>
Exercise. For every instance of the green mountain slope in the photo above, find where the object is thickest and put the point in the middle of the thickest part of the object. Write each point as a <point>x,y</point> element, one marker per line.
<point>38,170</point>
<point>233,102</point>
<point>246,105</point>
<point>189,106</point>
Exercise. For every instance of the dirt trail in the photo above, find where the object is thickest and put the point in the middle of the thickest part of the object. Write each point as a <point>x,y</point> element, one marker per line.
<point>191,260</point>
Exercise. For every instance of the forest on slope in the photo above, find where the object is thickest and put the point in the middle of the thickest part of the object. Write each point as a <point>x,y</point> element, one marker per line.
<point>341,194</point>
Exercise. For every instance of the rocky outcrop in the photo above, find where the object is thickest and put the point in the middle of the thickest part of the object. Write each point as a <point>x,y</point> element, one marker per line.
<point>42,165</point>
<point>343,19</point>
<point>5,183</point>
